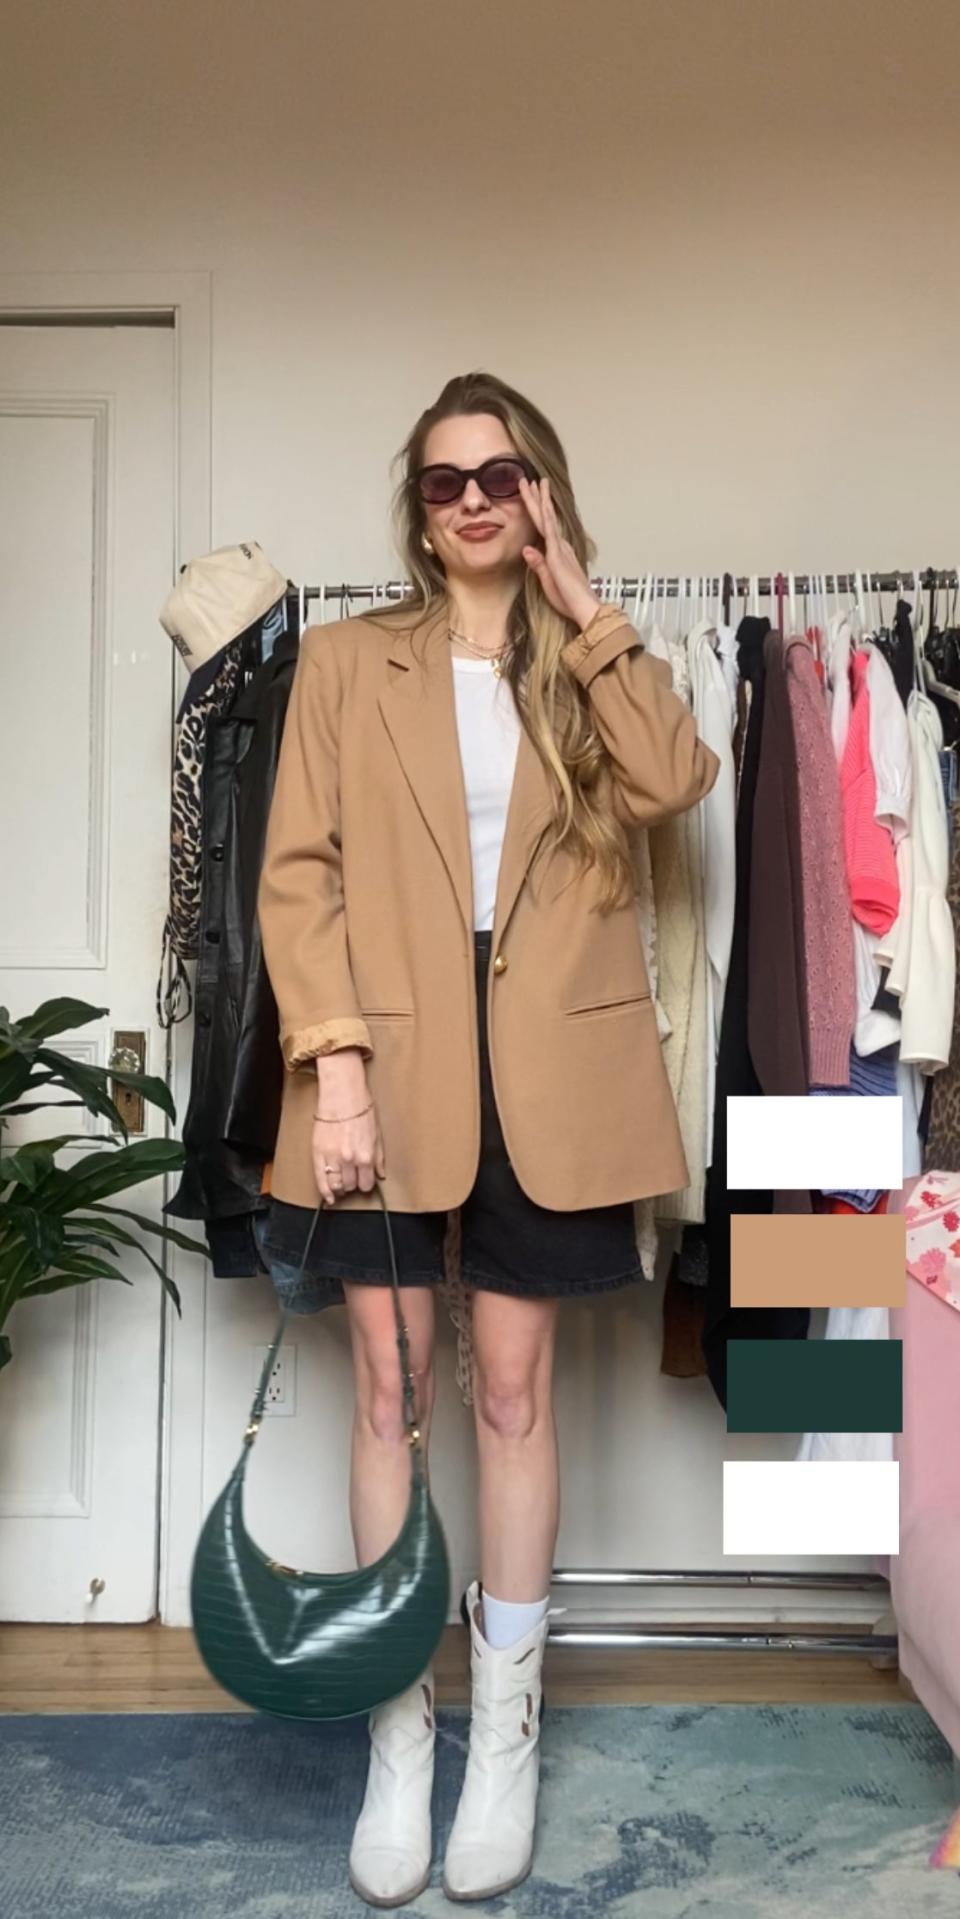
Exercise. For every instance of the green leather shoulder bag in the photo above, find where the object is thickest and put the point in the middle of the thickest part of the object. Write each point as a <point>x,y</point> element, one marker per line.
<point>307,1645</point>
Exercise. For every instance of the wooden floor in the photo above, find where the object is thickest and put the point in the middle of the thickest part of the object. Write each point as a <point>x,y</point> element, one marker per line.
<point>154,1668</point>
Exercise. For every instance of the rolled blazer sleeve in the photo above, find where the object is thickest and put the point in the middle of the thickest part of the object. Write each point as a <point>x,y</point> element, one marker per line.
<point>659,764</point>
<point>300,900</point>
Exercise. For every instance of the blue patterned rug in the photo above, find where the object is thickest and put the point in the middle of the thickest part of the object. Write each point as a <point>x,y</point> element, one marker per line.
<point>663,1812</point>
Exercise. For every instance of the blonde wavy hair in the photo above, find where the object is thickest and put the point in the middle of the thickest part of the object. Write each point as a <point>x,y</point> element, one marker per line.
<point>554,709</point>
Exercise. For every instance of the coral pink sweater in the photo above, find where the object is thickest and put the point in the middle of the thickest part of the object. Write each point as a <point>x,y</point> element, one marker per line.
<point>871,861</point>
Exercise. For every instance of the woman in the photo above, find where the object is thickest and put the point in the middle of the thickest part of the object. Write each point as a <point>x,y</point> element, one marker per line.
<point>449,923</point>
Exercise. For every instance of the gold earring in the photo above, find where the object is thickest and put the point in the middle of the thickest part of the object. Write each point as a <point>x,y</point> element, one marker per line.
<point>426,543</point>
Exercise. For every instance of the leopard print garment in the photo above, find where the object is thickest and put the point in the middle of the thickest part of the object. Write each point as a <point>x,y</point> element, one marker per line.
<point>942,1150</point>
<point>181,930</point>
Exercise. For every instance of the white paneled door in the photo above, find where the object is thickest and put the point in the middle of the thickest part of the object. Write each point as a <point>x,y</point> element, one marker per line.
<point>86,557</point>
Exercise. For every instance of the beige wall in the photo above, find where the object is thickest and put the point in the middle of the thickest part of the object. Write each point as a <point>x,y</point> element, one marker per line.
<point>715,241</point>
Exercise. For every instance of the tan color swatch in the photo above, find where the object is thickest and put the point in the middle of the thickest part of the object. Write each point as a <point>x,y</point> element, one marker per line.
<point>818,1259</point>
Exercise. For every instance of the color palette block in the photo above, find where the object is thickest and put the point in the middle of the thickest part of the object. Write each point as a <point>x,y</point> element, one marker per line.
<point>818,1259</point>
<point>811,1506</point>
<point>818,1143</point>
<point>814,1385</point>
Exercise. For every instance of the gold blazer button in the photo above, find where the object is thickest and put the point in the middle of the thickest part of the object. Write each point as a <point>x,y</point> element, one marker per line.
<point>499,964</point>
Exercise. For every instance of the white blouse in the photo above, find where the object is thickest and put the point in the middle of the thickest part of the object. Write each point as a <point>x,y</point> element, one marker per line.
<point>488,726</point>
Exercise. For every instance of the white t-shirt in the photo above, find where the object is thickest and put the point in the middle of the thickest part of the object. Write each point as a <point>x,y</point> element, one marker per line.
<point>488,725</point>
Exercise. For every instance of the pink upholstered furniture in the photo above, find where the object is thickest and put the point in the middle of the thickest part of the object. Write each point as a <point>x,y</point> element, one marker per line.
<point>925,1575</point>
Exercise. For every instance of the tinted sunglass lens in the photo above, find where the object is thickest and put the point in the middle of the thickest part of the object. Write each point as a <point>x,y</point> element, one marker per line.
<point>441,485</point>
<point>501,479</point>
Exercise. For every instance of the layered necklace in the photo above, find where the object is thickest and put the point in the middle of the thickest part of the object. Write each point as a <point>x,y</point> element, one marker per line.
<point>497,660</point>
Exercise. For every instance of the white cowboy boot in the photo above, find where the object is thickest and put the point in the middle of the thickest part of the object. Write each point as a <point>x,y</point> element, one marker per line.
<point>392,1841</point>
<point>491,1843</point>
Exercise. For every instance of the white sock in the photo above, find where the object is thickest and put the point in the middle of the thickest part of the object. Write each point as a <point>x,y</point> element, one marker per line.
<point>504,1622</point>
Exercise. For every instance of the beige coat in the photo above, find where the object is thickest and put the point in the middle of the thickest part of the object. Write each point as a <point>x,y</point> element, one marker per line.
<point>366,912</point>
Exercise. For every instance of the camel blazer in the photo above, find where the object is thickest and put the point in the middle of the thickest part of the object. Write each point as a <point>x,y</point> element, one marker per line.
<point>366,914</point>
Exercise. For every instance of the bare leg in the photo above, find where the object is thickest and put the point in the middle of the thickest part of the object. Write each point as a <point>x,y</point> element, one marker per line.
<point>380,1452</point>
<point>514,1342</point>
<point>491,1841</point>
<point>392,1840</point>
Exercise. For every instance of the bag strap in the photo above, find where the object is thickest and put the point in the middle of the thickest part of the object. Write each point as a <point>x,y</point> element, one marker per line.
<point>403,1344</point>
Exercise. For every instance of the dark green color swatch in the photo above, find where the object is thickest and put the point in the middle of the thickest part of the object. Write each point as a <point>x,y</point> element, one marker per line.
<point>814,1386</point>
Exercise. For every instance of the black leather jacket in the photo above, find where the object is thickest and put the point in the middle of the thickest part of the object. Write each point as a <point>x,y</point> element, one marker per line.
<point>231,1122</point>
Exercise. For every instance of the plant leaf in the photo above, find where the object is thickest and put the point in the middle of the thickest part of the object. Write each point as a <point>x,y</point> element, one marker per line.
<point>97,1079</point>
<point>58,1282</point>
<point>98,1175</point>
<point>41,1233</point>
<point>41,1106</point>
<point>88,1081</point>
<point>6,1350</point>
<point>14,1078</point>
<point>154,1226</point>
<point>83,1266</point>
<point>58,1016</point>
<point>155,1091</point>
<point>120,1233</point>
<point>28,1163</point>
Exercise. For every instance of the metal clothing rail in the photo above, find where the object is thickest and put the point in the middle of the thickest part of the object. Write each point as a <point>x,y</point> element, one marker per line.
<point>672,585</point>
<point>816,1640</point>
<point>828,1640</point>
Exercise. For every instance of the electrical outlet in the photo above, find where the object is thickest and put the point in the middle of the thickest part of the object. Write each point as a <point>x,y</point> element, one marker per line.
<point>281,1395</point>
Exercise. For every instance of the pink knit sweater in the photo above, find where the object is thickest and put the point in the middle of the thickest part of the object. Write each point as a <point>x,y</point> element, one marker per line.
<point>871,861</point>
<point>827,925</point>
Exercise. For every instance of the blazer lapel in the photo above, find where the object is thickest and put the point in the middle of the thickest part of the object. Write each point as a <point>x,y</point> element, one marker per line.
<point>419,711</point>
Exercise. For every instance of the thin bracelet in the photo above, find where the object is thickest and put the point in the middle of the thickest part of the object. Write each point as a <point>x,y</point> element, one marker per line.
<point>333,1119</point>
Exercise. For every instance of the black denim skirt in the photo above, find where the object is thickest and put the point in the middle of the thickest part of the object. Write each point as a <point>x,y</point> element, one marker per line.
<point>508,1244</point>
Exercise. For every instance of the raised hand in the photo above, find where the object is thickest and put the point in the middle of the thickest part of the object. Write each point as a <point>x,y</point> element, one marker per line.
<point>559,571</point>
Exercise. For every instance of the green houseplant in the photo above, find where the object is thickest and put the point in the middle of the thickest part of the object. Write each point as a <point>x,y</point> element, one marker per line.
<point>59,1225</point>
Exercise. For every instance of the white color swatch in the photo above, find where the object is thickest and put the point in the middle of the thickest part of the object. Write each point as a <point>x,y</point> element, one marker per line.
<point>811,1506</point>
<point>852,1143</point>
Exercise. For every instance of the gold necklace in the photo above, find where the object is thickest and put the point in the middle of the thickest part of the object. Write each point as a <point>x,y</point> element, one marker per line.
<point>497,659</point>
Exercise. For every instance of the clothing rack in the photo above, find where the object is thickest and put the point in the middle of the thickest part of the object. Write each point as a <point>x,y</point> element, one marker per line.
<point>670,586</point>
<point>878,1645</point>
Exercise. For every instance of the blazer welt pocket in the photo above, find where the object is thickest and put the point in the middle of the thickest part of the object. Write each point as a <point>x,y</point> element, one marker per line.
<point>387,1012</point>
<point>617,1003</point>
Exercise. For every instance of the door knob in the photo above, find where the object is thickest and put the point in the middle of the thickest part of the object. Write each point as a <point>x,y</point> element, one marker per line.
<point>129,1055</point>
<point>123,1059</point>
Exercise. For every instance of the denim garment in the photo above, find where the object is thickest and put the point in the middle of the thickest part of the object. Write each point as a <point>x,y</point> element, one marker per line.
<point>509,1244</point>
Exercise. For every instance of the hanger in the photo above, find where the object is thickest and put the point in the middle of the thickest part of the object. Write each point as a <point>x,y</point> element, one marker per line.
<point>918,643</point>
<point>642,607</point>
<point>918,611</point>
<point>823,621</point>
<point>777,597</point>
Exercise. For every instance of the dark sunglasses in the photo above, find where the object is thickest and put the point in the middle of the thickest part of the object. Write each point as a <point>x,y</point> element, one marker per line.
<point>499,479</point>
